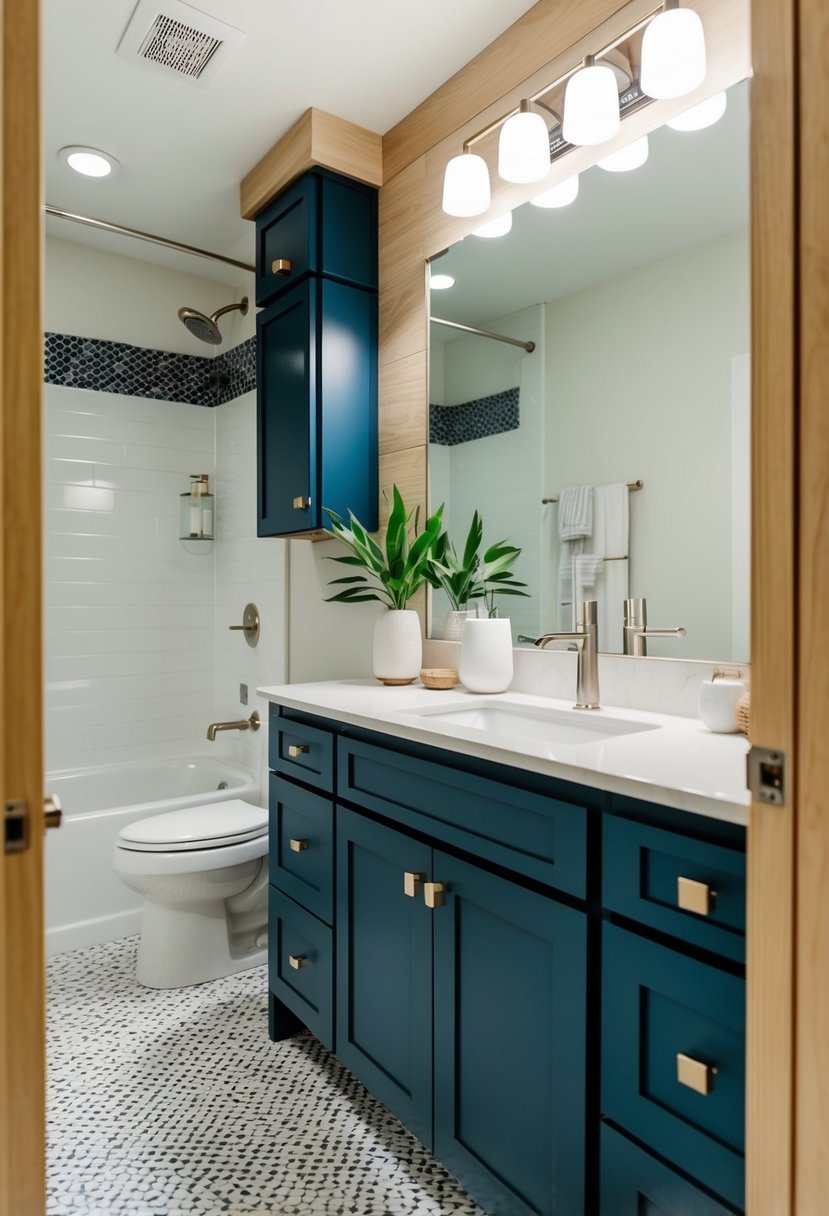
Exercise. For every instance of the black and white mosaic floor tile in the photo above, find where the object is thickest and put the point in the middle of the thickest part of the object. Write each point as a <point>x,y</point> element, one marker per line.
<point>177,1104</point>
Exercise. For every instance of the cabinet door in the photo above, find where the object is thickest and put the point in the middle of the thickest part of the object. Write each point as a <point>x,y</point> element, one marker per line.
<point>384,968</point>
<point>286,387</point>
<point>510,1004</point>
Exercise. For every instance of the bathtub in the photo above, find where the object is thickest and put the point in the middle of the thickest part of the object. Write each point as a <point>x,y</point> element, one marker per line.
<point>85,902</point>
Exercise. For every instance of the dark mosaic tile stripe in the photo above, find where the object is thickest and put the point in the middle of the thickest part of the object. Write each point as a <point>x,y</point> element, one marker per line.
<point>138,371</point>
<point>452,424</point>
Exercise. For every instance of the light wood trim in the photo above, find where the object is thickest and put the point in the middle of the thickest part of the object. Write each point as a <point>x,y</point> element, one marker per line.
<point>22,982</point>
<point>406,413</point>
<point>771,836</point>
<point>316,138</point>
<point>811,1187</point>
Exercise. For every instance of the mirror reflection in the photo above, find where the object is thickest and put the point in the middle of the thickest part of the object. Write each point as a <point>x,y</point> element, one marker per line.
<point>635,295</point>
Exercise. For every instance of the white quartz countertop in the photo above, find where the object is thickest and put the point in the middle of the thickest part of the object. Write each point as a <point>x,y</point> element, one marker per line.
<point>678,762</point>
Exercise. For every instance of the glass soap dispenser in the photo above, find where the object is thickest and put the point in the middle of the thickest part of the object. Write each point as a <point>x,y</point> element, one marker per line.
<point>196,512</point>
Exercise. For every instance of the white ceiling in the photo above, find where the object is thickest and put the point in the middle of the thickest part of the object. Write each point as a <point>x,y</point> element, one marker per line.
<point>184,149</point>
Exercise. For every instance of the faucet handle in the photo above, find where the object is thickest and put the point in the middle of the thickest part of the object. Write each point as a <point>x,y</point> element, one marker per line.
<point>636,611</point>
<point>587,614</point>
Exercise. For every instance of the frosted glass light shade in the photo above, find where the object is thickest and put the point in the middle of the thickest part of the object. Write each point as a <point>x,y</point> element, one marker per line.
<point>466,185</point>
<point>673,54</point>
<point>591,106</point>
<point>629,157</point>
<point>524,148</point>
<point>700,116</point>
<point>497,227</point>
<point>441,282</point>
<point>562,195</point>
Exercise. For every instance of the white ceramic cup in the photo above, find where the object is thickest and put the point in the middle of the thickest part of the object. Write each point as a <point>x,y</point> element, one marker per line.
<point>718,704</point>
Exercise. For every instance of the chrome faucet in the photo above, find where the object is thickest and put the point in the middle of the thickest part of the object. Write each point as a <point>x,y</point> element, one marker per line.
<point>586,638</point>
<point>251,723</point>
<point>636,630</point>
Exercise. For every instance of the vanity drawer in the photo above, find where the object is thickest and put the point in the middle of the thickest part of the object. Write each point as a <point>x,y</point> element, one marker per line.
<point>301,964</point>
<point>322,224</point>
<point>529,833</point>
<point>301,848</point>
<point>691,889</point>
<point>303,752</point>
<point>665,1015</point>
<point>633,1182</point>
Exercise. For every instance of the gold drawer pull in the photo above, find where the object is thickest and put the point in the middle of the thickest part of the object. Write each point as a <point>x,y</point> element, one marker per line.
<point>281,266</point>
<point>298,846</point>
<point>301,503</point>
<point>434,894</point>
<point>695,1074</point>
<point>297,961</point>
<point>411,883</point>
<point>298,749</point>
<point>693,896</point>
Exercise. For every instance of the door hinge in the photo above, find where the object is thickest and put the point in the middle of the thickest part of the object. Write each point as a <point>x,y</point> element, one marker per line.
<point>16,825</point>
<point>767,775</point>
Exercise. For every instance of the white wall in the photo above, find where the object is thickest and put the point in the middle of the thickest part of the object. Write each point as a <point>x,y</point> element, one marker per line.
<point>499,475</point>
<point>639,386</point>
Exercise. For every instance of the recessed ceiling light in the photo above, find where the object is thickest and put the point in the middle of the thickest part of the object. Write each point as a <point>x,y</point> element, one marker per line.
<point>700,116</point>
<point>90,162</point>
<point>440,282</point>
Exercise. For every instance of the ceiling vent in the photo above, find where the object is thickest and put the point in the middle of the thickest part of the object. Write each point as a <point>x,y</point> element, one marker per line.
<point>178,39</point>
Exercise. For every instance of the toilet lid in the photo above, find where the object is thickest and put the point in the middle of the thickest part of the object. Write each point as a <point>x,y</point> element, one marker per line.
<point>197,827</point>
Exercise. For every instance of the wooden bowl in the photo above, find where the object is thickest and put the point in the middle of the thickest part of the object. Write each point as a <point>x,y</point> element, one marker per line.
<point>439,677</point>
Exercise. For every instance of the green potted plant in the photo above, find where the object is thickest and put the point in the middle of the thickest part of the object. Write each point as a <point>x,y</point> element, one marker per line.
<point>391,575</point>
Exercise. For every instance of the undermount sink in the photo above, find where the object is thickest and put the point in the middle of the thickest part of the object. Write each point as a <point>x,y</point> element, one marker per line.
<point>524,722</point>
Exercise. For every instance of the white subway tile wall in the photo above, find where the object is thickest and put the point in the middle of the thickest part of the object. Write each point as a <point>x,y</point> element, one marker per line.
<point>128,613</point>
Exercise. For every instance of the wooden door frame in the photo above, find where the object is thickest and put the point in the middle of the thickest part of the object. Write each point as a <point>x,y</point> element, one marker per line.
<point>22,986</point>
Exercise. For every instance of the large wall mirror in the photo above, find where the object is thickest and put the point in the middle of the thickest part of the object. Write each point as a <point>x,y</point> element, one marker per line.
<point>636,298</point>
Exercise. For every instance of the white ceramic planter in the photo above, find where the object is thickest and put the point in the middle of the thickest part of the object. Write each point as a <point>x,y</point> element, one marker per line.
<point>454,623</point>
<point>486,655</point>
<point>398,646</point>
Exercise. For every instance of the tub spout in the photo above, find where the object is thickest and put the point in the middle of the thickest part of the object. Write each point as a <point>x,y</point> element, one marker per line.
<point>251,723</point>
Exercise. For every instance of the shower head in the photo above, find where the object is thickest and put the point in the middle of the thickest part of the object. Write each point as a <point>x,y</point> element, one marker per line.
<point>204,327</point>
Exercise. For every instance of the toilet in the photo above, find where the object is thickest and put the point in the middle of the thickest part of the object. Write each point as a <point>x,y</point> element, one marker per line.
<point>203,873</point>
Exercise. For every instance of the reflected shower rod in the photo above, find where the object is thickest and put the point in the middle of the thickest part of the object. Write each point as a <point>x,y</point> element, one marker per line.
<point>529,347</point>
<point>119,229</point>
<point>632,485</point>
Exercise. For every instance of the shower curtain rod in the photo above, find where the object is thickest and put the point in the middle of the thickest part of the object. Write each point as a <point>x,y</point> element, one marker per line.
<point>529,347</point>
<point>120,230</point>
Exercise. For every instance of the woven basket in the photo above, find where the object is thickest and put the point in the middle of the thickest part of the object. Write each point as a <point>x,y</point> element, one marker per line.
<point>439,677</point>
<point>743,712</point>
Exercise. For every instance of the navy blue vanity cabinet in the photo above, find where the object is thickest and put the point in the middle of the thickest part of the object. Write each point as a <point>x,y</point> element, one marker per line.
<point>316,356</point>
<point>673,1013</point>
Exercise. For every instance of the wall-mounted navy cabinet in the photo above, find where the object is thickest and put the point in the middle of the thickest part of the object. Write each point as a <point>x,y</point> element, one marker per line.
<point>316,356</point>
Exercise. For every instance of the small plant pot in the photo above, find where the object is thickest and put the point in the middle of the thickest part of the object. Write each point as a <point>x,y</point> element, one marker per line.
<point>398,646</point>
<point>486,655</point>
<point>454,623</point>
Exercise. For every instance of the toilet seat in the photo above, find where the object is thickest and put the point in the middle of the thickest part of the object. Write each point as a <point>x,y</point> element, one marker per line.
<point>210,826</point>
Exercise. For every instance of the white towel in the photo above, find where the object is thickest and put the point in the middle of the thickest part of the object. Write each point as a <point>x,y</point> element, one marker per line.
<point>575,512</point>
<point>611,529</point>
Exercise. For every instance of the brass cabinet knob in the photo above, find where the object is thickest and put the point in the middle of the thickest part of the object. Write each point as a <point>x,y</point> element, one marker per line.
<point>298,846</point>
<point>297,961</point>
<point>693,896</point>
<point>52,811</point>
<point>411,883</point>
<point>301,503</point>
<point>695,1074</point>
<point>298,749</point>
<point>434,894</point>
<point>281,266</point>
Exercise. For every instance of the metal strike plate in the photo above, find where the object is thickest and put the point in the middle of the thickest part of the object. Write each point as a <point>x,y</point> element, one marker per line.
<point>281,266</point>
<point>298,749</point>
<point>16,825</point>
<point>297,961</point>
<point>411,883</point>
<point>693,896</point>
<point>767,775</point>
<point>695,1074</point>
<point>298,846</point>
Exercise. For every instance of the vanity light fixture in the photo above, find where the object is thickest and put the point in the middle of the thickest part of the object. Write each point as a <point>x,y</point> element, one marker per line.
<point>497,227</point>
<point>562,195</point>
<point>632,156</point>
<point>673,53</point>
<point>524,147</point>
<point>90,162</point>
<point>441,282</point>
<point>673,64</point>
<point>700,116</point>
<point>591,105</point>
<point>466,185</point>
